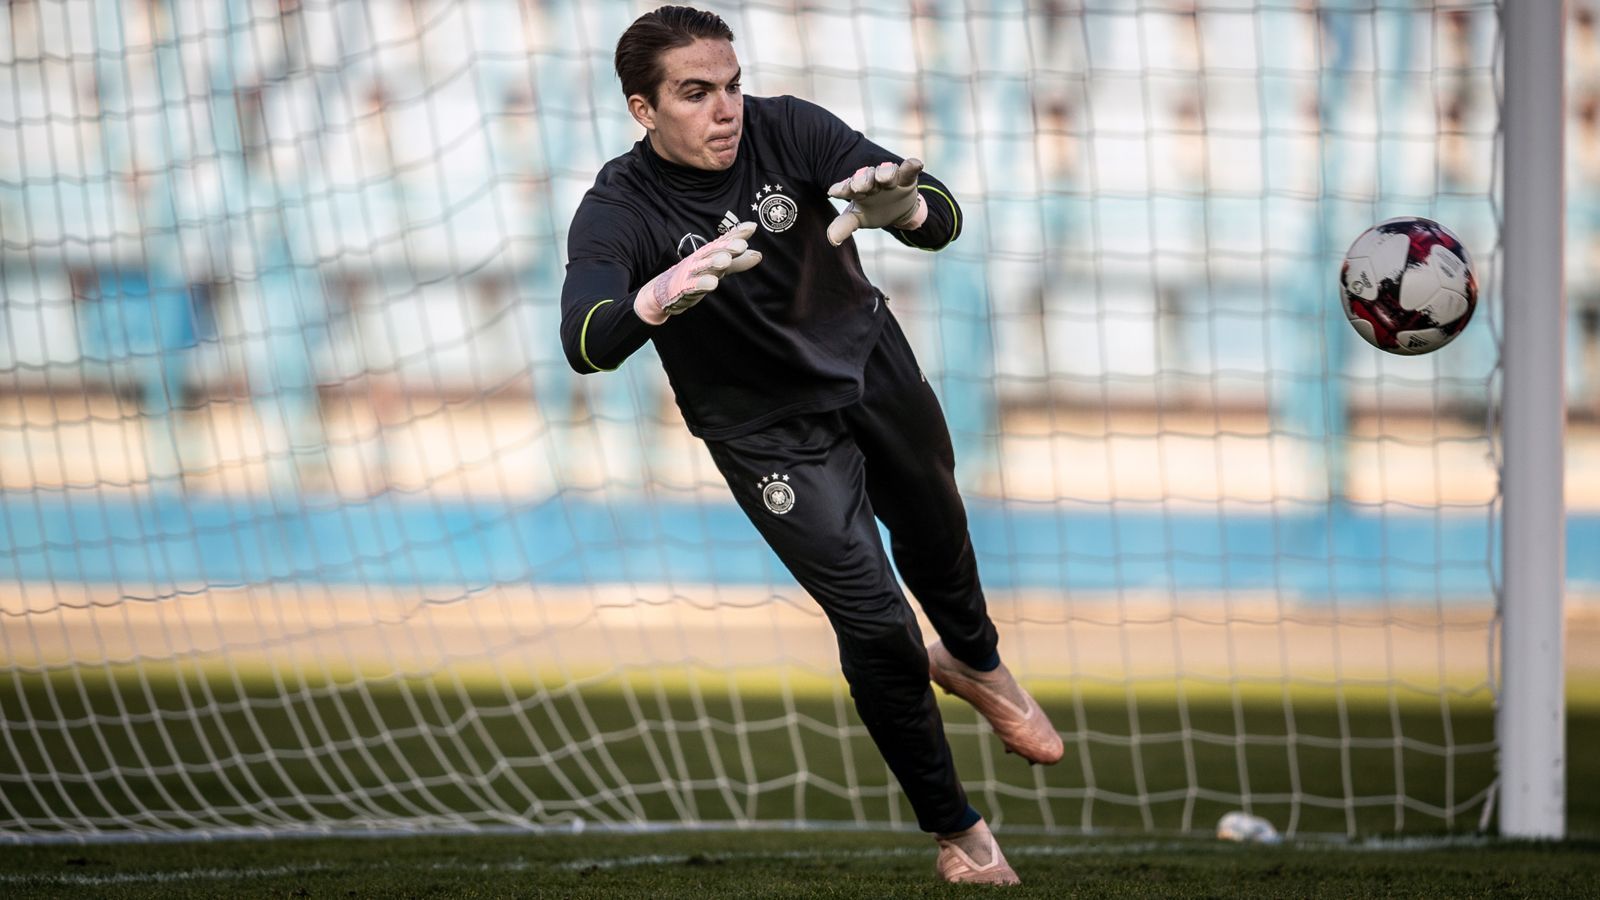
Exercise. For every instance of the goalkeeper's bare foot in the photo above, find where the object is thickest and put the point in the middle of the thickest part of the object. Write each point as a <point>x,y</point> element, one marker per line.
<point>973,857</point>
<point>1012,712</point>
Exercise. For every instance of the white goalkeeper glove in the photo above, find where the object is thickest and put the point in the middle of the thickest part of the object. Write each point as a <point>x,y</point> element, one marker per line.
<point>881,196</point>
<point>696,275</point>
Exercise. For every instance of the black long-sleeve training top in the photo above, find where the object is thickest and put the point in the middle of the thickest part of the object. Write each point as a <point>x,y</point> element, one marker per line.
<point>787,337</point>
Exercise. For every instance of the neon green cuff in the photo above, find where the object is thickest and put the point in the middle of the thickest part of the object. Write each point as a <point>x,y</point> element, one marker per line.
<point>955,214</point>
<point>583,338</point>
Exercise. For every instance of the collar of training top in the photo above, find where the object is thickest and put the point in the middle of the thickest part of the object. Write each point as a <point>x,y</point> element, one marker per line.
<point>687,178</point>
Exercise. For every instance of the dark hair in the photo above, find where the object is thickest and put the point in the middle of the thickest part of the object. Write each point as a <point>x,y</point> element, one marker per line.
<point>639,50</point>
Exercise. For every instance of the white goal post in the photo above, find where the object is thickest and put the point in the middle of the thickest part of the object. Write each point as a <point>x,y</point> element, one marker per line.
<point>1532,710</point>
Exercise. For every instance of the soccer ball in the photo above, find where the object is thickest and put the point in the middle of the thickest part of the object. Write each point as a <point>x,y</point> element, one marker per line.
<point>1407,285</point>
<point>1248,829</point>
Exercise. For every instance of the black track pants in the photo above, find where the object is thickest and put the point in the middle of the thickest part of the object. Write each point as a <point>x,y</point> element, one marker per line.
<point>812,485</point>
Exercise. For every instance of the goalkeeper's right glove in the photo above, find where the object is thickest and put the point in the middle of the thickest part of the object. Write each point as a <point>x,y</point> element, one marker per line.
<point>696,275</point>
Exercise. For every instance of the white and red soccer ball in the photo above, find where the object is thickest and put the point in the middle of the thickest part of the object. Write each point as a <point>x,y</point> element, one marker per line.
<point>1407,285</point>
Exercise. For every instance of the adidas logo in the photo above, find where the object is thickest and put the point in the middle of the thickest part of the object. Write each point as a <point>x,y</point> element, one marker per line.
<point>728,221</point>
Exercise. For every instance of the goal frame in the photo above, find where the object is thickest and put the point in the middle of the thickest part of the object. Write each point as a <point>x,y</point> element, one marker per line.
<point>1530,720</point>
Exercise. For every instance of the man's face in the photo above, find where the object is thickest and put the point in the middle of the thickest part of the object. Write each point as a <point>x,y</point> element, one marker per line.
<point>699,113</point>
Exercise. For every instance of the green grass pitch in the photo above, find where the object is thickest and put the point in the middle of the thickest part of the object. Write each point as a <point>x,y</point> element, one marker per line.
<point>658,760</point>
<point>783,864</point>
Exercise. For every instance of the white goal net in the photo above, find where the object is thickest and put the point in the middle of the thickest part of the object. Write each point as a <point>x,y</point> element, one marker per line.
<point>305,525</point>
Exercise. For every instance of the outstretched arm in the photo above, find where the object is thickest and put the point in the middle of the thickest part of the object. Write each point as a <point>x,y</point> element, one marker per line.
<point>882,190</point>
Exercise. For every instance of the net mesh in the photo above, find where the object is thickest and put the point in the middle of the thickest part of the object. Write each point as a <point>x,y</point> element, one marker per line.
<point>305,525</point>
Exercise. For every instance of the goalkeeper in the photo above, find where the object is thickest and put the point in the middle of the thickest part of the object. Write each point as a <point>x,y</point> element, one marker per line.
<point>715,238</point>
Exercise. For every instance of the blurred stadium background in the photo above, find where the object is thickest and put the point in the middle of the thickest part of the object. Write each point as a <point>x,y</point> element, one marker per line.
<point>306,525</point>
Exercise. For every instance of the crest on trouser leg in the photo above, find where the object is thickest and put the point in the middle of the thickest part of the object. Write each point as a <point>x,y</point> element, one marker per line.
<point>776,493</point>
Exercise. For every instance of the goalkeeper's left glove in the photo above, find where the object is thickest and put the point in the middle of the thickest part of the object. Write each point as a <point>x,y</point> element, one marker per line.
<point>881,196</point>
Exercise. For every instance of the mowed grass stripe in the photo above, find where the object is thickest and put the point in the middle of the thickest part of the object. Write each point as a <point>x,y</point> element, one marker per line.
<point>785,864</point>
<point>209,753</point>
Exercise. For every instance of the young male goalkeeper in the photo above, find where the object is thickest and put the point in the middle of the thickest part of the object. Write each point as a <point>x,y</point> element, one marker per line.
<point>714,237</point>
